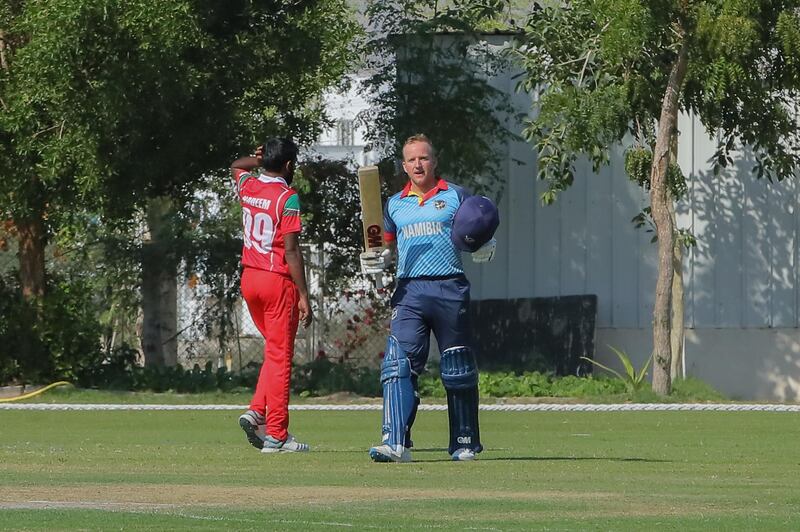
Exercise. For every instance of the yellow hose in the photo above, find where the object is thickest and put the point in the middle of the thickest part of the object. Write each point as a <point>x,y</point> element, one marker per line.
<point>34,393</point>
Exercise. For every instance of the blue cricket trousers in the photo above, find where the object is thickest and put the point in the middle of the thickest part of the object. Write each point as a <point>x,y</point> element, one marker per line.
<point>422,305</point>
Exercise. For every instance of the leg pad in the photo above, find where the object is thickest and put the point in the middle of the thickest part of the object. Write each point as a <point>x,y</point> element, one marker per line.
<point>458,368</point>
<point>399,397</point>
<point>460,378</point>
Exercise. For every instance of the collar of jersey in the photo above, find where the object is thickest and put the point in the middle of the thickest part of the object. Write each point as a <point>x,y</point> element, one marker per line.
<point>440,185</point>
<point>264,178</point>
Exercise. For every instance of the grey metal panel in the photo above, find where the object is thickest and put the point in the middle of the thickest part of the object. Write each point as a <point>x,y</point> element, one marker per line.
<point>547,260</point>
<point>599,216</point>
<point>625,247</point>
<point>742,273</point>
<point>729,275</point>
<point>572,209</point>
<point>520,217</point>
<point>495,275</point>
<point>702,257</point>
<point>756,251</point>
<point>782,235</point>
<point>648,267</point>
<point>685,208</point>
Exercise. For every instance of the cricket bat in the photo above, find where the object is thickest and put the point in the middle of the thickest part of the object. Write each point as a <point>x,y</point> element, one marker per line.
<point>369,187</point>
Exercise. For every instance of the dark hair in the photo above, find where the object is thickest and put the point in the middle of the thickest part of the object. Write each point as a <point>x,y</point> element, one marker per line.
<point>278,152</point>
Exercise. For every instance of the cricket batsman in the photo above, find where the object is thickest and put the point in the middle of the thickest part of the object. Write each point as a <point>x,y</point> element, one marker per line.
<point>428,224</point>
<point>273,285</point>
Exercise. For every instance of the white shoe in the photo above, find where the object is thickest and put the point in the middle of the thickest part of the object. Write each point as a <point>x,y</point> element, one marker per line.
<point>252,424</point>
<point>385,453</point>
<point>463,455</point>
<point>289,445</point>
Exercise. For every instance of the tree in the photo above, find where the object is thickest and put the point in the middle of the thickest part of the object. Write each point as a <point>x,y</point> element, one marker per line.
<point>331,216</point>
<point>607,71</point>
<point>260,70</point>
<point>140,101</point>
<point>430,74</point>
<point>104,63</point>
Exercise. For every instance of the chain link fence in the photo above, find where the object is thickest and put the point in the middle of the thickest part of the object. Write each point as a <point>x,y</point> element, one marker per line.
<point>350,324</point>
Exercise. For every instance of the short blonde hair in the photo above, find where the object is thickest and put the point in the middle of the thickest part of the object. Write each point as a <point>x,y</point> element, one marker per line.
<point>420,137</point>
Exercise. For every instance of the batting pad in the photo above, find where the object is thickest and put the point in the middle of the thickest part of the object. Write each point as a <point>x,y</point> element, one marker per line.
<point>460,379</point>
<point>458,368</point>
<point>399,399</point>
<point>462,415</point>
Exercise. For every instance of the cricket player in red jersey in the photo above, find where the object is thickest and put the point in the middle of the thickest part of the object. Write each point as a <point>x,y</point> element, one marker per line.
<point>273,285</point>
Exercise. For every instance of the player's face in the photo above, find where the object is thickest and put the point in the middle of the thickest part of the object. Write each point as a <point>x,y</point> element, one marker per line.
<point>420,164</point>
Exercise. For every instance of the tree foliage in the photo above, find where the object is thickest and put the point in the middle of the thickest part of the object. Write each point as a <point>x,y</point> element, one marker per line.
<point>431,75</point>
<point>599,70</point>
<point>604,72</point>
<point>106,105</point>
<point>109,103</point>
<point>331,209</point>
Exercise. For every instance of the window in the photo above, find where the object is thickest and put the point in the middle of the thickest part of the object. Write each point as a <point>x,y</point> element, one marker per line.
<point>345,133</point>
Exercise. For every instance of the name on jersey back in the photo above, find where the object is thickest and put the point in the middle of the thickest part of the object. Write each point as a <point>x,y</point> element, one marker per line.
<point>260,203</point>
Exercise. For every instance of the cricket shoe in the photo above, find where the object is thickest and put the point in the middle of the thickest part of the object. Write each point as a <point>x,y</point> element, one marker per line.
<point>289,445</point>
<point>252,424</point>
<point>463,455</point>
<point>385,453</point>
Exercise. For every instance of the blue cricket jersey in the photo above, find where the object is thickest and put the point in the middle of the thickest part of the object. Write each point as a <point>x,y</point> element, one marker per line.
<point>422,230</point>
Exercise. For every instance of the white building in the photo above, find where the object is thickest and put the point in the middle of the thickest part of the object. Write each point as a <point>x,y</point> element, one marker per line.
<point>346,139</point>
<point>742,285</point>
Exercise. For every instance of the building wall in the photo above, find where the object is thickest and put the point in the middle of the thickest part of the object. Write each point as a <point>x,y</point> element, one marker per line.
<point>748,364</point>
<point>741,279</point>
<point>345,138</point>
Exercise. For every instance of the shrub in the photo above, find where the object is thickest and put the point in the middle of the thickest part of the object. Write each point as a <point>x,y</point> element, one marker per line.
<point>323,377</point>
<point>529,384</point>
<point>48,340</point>
<point>633,379</point>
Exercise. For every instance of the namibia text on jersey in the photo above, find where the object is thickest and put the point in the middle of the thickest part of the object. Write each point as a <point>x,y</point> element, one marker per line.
<point>422,229</point>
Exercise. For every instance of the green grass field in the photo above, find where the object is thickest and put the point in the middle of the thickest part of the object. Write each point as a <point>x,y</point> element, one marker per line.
<point>540,471</point>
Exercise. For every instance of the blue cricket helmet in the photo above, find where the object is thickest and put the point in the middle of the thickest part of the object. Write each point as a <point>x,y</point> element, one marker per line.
<point>474,223</point>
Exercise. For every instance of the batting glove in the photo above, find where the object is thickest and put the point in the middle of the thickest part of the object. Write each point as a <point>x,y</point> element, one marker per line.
<point>373,262</point>
<point>486,252</point>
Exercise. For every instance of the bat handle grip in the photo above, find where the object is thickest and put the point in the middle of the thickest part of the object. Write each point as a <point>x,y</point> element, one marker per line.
<point>379,280</point>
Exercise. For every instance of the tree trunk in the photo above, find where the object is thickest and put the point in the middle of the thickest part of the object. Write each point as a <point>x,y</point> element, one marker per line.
<point>659,199</point>
<point>159,288</point>
<point>31,257</point>
<point>4,49</point>
<point>677,331</point>
<point>30,230</point>
<point>31,238</point>
<point>677,328</point>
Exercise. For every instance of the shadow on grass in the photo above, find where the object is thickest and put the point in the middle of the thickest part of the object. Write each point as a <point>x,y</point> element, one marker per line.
<point>542,458</point>
<point>547,459</point>
<point>483,458</point>
<point>576,458</point>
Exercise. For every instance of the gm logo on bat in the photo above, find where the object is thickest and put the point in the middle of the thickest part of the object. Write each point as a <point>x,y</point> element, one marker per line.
<point>374,236</point>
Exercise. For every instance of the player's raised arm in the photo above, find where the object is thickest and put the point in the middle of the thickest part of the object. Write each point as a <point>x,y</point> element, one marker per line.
<point>242,167</point>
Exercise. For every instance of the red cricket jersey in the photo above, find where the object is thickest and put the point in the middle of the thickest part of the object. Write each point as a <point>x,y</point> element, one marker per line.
<point>270,210</point>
